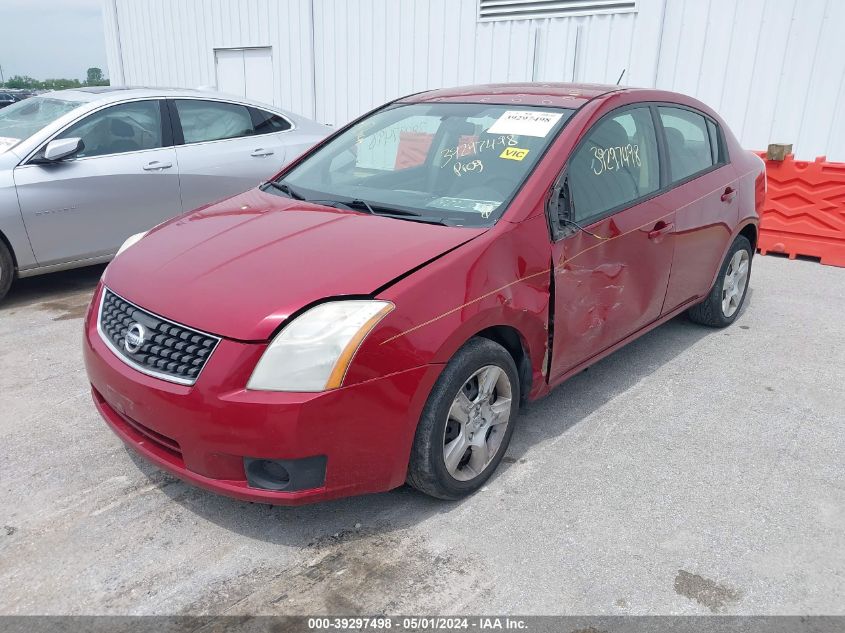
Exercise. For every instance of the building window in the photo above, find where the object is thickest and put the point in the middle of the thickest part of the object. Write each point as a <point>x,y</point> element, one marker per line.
<point>537,9</point>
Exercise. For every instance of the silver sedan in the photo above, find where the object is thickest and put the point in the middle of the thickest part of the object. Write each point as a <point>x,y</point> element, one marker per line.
<point>82,170</point>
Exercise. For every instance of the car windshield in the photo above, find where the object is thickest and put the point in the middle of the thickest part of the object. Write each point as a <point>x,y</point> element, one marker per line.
<point>456,163</point>
<point>24,118</point>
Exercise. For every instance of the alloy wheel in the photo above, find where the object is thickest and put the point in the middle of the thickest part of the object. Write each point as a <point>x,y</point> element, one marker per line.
<point>476,423</point>
<point>733,286</point>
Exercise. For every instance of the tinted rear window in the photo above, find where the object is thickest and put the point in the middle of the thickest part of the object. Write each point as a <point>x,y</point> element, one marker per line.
<point>688,142</point>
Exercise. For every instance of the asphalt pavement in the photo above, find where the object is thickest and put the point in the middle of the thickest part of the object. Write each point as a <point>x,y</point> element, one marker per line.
<point>695,471</point>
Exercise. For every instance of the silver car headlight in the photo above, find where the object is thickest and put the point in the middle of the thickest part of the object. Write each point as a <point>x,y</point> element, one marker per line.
<point>313,352</point>
<point>132,239</point>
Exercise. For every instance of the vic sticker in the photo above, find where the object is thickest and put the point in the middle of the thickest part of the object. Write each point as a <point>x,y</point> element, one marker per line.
<point>513,153</point>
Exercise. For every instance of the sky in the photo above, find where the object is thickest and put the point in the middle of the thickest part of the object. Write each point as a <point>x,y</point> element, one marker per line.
<point>51,39</point>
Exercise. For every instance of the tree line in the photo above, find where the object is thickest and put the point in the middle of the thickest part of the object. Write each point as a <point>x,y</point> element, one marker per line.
<point>94,77</point>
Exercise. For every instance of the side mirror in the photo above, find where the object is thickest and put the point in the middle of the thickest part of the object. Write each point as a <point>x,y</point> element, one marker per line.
<point>62,148</point>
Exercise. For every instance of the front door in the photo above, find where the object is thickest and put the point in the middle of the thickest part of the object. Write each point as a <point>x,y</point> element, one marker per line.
<point>123,182</point>
<point>611,271</point>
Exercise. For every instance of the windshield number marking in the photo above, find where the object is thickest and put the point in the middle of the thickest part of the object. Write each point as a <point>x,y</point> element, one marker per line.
<point>472,148</point>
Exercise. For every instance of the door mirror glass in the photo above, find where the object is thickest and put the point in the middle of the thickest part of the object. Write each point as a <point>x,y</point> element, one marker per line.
<point>62,148</point>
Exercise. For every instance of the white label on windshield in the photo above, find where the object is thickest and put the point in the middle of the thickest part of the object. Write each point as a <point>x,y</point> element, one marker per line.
<point>484,207</point>
<point>7,141</point>
<point>526,122</point>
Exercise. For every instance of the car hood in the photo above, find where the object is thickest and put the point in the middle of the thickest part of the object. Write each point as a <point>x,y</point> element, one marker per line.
<point>239,268</point>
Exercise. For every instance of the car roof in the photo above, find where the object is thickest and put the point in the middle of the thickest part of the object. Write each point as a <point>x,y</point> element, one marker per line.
<point>564,95</point>
<point>110,94</point>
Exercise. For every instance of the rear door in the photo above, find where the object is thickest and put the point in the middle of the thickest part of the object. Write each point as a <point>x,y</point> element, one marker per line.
<point>123,182</point>
<point>612,269</point>
<point>225,148</point>
<point>704,194</point>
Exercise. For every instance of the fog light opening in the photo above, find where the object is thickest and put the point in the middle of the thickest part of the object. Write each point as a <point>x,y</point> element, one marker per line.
<point>267,474</point>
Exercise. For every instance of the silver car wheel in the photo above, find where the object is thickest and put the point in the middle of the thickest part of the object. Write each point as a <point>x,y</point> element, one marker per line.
<point>733,286</point>
<point>477,421</point>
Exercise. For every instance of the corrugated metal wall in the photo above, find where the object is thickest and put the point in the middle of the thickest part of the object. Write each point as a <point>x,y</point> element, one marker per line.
<point>773,68</point>
<point>171,42</point>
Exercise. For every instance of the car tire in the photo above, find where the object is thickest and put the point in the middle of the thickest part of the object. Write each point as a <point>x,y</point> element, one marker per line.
<point>722,306</point>
<point>7,270</point>
<point>451,458</point>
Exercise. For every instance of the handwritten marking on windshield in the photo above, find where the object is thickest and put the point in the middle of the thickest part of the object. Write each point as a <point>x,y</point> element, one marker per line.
<point>475,147</point>
<point>462,168</point>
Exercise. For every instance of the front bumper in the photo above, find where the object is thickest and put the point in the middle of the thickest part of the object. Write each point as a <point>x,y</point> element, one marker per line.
<point>202,433</point>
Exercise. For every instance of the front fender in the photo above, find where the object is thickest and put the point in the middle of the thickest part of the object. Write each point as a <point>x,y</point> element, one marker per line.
<point>11,221</point>
<point>502,278</point>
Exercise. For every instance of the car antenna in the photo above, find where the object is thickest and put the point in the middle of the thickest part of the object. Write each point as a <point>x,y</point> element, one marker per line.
<point>620,76</point>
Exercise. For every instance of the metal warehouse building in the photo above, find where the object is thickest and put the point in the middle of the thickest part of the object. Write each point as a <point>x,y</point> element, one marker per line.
<point>773,68</point>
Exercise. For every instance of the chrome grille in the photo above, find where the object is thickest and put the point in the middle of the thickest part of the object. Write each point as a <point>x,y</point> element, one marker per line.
<point>165,350</point>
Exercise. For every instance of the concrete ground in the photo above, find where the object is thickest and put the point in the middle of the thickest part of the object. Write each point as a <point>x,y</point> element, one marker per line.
<point>695,471</point>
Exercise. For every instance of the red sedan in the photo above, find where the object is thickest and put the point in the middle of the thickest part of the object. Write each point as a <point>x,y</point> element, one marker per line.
<point>377,312</point>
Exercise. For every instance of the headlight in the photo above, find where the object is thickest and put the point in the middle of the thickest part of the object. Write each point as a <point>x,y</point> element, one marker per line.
<point>132,239</point>
<point>313,351</point>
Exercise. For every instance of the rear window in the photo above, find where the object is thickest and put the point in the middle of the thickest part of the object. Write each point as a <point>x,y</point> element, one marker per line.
<point>688,142</point>
<point>204,121</point>
<point>267,122</point>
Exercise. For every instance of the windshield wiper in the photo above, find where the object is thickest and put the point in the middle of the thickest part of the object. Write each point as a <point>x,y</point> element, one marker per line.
<point>382,211</point>
<point>358,204</point>
<point>285,189</point>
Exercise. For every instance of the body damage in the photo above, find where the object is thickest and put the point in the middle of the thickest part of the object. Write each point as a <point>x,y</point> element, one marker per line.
<point>500,279</point>
<point>561,305</point>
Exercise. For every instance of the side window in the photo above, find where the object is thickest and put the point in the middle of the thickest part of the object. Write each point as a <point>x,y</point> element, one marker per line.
<point>616,164</point>
<point>128,127</point>
<point>715,143</point>
<point>212,120</point>
<point>267,122</point>
<point>688,142</point>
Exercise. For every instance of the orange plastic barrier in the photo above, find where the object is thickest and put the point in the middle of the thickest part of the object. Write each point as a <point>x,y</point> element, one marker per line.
<point>804,212</point>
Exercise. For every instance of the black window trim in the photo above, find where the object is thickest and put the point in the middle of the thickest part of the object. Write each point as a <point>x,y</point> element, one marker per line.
<point>179,136</point>
<point>559,233</point>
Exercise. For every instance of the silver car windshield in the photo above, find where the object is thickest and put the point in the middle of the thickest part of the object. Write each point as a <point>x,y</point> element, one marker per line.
<point>24,118</point>
<point>456,163</point>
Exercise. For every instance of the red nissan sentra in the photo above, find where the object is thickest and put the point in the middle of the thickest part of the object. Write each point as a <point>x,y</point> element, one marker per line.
<point>377,313</point>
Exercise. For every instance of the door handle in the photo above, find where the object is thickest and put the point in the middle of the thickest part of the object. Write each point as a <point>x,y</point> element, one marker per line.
<point>261,152</point>
<point>729,194</point>
<point>661,228</point>
<point>157,166</point>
